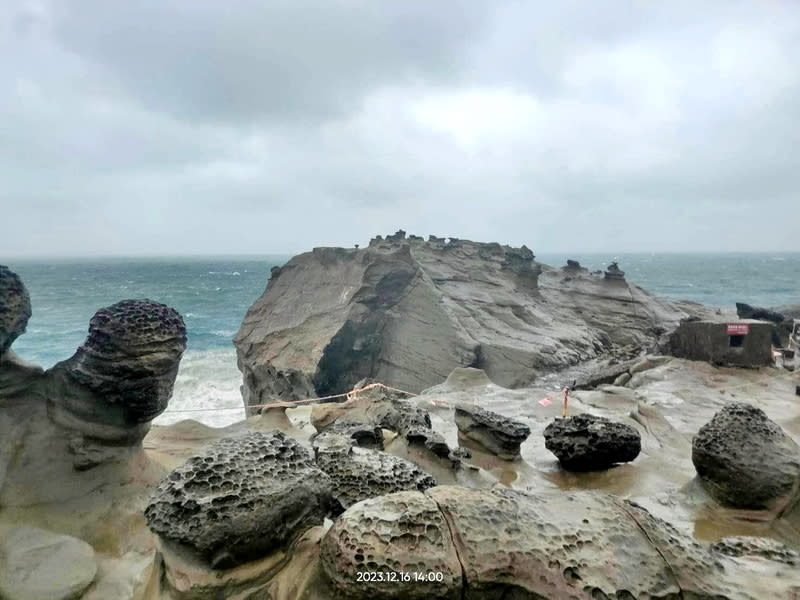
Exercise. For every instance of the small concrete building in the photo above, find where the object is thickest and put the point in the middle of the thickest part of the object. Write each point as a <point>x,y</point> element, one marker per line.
<point>737,343</point>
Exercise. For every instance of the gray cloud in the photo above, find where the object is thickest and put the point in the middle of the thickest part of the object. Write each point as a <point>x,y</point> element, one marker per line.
<point>251,127</point>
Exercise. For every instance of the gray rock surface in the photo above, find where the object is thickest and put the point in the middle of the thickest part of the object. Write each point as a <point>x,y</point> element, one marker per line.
<point>406,312</point>
<point>384,409</point>
<point>588,443</point>
<point>756,547</point>
<point>41,565</point>
<point>129,362</point>
<point>358,474</point>
<point>241,499</point>
<point>15,308</point>
<point>498,434</point>
<point>508,544</point>
<point>746,460</point>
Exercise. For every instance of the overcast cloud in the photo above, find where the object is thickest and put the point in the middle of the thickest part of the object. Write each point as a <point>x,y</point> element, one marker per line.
<point>245,126</point>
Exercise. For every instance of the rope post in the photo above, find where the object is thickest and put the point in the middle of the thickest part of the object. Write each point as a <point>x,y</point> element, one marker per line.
<point>565,409</point>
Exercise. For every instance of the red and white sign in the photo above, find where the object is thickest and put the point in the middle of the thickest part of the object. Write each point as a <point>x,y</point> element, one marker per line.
<point>738,328</point>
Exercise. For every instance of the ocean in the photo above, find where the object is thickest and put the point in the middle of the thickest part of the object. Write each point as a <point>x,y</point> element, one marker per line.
<point>213,295</point>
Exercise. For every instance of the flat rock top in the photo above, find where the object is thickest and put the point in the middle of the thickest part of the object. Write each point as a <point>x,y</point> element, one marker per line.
<point>41,565</point>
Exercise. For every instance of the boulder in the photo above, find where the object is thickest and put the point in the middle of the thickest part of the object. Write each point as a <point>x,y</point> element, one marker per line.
<point>15,308</point>
<point>497,434</point>
<point>501,543</point>
<point>589,443</point>
<point>41,565</point>
<point>241,499</point>
<point>746,460</point>
<point>358,474</point>
<point>406,312</point>
<point>128,363</point>
<point>403,532</point>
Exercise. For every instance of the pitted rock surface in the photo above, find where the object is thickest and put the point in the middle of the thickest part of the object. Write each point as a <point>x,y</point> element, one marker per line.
<point>401,532</point>
<point>360,473</point>
<point>756,546</point>
<point>512,544</point>
<point>587,443</point>
<point>746,460</point>
<point>129,359</point>
<point>498,434</point>
<point>241,499</point>
<point>15,308</point>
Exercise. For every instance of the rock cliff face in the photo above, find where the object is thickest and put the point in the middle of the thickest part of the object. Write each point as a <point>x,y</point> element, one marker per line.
<point>406,312</point>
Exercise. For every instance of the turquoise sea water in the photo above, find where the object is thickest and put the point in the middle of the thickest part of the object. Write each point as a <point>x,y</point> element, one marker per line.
<point>213,295</point>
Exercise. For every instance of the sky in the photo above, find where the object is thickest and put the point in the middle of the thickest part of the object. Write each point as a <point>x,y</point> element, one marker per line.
<point>251,127</point>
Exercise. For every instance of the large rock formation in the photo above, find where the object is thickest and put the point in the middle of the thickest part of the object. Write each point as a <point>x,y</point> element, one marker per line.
<point>241,499</point>
<point>507,544</point>
<point>746,460</point>
<point>589,443</point>
<point>15,308</point>
<point>406,312</point>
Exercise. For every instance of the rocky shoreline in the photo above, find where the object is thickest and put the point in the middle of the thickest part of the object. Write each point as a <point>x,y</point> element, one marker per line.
<point>671,479</point>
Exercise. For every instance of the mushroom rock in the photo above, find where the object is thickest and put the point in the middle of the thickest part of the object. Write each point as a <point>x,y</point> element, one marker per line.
<point>587,443</point>
<point>614,273</point>
<point>122,376</point>
<point>15,308</point>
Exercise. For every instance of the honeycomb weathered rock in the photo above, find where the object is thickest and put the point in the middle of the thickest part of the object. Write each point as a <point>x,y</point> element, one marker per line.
<point>358,474</point>
<point>756,546</point>
<point>745,460</point>
<point>241,499</point>
<point>399,533</point>
<point>586,442</point>
<point>512,544</point>
<point>498,434</point>
<point>15,308</point>
<point>129,361</point>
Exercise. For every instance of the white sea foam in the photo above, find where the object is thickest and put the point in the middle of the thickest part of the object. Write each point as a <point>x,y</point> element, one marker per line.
<point>207,379</point>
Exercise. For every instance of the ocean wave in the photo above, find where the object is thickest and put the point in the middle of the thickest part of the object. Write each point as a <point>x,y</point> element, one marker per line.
<point>206,389</point>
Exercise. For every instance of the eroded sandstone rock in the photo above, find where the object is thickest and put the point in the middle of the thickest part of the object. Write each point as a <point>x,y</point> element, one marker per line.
<point>406,312</point>
<point>402,532</point>
<point>588,443</point>
<point>15,308</point>
<point>511,544</point>
<point>498,434</point>
<point>241,499</point>
<point>358,474</point>
<point>128,363</point>
<point>746,460</point>
<point>750,546</point>
<point>41,565</point>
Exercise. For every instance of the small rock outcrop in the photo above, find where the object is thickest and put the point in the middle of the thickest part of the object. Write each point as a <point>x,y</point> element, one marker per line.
<point>41,565</point>
<point>359,473</point>
<point>15,308</point>
<point>751,546</point>
<point>241,499</point>
<point>502,543</point>
<point>589,443</point>
<point>745,311</point>
<point>614,273</point>
<point>497,434</point>
<point>406,312</point>
<point>383,409</point>
<point>128,362</point>
<point>746,460</point>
